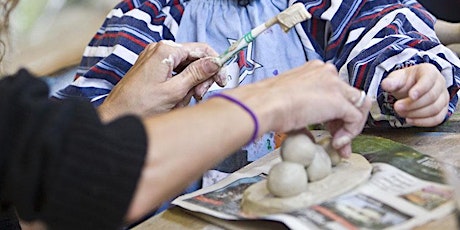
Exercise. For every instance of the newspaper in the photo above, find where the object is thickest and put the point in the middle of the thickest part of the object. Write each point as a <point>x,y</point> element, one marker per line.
<point>405,190</point>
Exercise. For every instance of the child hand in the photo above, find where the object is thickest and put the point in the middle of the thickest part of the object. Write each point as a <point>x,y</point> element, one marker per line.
<point>421,93</point>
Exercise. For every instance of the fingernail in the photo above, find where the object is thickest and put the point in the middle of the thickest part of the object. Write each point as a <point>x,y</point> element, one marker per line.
<point>205,90</point>
<point>341,141</point>
<point>210,67</point>
<point>223,78</point>
<point>346,155</point>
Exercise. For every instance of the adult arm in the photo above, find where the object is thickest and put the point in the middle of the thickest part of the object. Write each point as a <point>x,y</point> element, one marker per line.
<point>60,164</point>
<point>448,32</point>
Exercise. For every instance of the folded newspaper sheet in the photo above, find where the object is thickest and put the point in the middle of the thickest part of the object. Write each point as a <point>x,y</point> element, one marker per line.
<point>405,190</point>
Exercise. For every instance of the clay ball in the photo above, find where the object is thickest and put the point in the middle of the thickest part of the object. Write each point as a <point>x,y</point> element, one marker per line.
<point>321,165</point>
<point>287,179</point>
<point>298,148</point>
<point>333,154</point>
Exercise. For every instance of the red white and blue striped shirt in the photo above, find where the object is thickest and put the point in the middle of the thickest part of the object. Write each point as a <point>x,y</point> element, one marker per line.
<point>366,40</point>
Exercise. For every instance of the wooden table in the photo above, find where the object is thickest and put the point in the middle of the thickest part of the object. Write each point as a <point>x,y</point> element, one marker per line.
<point>442,142</point>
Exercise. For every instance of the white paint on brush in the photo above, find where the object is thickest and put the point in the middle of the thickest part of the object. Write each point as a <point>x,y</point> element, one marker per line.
<point>292,15</point>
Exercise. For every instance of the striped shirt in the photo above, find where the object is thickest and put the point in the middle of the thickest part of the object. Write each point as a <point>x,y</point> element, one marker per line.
<point>365,39</point>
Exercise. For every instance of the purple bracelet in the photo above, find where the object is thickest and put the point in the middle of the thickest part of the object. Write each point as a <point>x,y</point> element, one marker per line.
<point>247,109</point>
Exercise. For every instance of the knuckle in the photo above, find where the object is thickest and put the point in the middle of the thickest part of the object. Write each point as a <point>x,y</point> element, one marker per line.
<point>194,73</point>
<point>161,46</point>
<point>316,62</point>
<point>330,66</point>
<point>209,51</point>
<point>151,46</point>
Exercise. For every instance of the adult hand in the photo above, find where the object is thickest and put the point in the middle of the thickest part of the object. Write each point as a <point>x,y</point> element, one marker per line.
<point>313,94</point>
<point>420,90</point>
<point>150,87</point>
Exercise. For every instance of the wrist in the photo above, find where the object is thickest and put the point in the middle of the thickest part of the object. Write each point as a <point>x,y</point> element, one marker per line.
<point>106,113</point>
<point>248,110</point>
<point>263,103</point>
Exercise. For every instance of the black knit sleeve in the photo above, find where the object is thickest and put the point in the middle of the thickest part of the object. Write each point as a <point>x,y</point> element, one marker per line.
<point>60,164</point>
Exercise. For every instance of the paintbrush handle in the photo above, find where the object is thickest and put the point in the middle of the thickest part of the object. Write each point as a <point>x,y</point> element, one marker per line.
<point>286,19</point>
<point>242,43</point>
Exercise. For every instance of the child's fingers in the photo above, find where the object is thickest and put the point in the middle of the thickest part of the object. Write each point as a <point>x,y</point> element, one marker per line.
<point>435,98</point>
<point>394,81</point>
<point>427,111</point>
<point>428,121</point>
<point>427,79</point>
<point>398,82</point>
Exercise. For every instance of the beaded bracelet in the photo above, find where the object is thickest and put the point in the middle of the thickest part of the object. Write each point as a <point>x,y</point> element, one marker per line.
<point>247,109</point>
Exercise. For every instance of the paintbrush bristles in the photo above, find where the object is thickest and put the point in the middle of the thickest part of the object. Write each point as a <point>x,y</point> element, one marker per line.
<point>291,16</point>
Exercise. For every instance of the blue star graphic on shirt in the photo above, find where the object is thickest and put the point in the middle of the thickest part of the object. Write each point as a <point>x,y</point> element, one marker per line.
<point>244,59</point>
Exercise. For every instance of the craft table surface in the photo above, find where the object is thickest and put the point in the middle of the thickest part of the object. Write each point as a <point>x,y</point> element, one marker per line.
<point>442,142</point>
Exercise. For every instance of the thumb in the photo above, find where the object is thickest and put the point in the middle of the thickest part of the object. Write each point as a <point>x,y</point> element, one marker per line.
<point>395,80</point>
<point>197,72</point>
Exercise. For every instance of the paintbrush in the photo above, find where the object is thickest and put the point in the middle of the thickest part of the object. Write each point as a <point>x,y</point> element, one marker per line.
<point>287,19</point>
